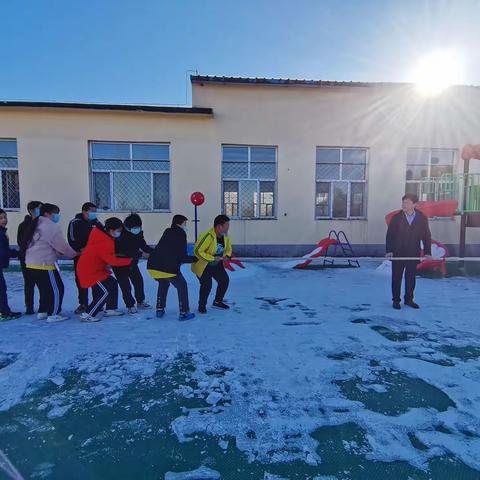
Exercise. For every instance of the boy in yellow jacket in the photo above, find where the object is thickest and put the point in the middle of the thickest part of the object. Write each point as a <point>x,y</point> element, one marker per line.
<point>211,249</point>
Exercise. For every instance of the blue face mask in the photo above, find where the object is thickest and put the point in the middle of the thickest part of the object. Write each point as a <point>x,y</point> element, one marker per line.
<point>185,228</point>
<point>92,215</point>
<point>55,217</point>
<point>36,212</point>
<point>136,230</point>
<point>116,233</point>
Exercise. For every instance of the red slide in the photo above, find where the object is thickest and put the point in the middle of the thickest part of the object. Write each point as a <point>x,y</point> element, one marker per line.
<point>322,247</point>
<point>233,261</point>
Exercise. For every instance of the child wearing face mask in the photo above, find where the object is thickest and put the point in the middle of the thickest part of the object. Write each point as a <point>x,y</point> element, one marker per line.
<point>93,270</point>
<point>131,243</point>
<point>44,244</point>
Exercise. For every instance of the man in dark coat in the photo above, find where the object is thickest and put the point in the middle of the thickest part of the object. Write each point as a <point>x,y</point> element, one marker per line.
<point>164,266</point>
<point>406,230</point>
<point>79,230</point>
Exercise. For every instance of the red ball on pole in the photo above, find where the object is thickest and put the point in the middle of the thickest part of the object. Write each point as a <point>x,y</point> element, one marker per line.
<point>197,198</point>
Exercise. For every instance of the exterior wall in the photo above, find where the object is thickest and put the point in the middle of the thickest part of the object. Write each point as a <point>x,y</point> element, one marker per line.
<point>53,154</point>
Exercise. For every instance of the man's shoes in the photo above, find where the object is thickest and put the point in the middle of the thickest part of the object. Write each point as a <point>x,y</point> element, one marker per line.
<point>113,313</point>
<point>86,318</point>
<point>396,305</point>
<point>132,310</point>
<point>42,315</point>
<point>160,313</point>
<point>220,305</point>
<point>10,316</point>
<point>202,309</point>
<point>80,309</point>
<point>56,318</point>
<point>144,306</point>
<point>412,304</point>
<point>186,316</point>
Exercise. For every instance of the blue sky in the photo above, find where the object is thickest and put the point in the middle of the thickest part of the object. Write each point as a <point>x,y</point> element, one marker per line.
<point>138,51</point>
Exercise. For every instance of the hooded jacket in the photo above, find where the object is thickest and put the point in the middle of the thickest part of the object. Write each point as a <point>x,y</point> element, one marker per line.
<point>205,250</point>
<point>79,230</point>
<point>98,254</point>
<point>22,228</point>
<point>47,245</point>
<point>129,245</point>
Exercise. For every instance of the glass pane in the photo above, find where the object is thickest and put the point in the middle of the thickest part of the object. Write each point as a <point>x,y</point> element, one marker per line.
<point>267,199</point>
<point>235,154</point>
<point>111,165</point>
<point>8,148</point>
<point>357,200</point>
<point>417,172</point>
<point>111,151</point>
<point>230,198</point>
<point>340,193</point>
<point>161,191</point>
<point>442,157</point>
<point>328,155</point>
<point>262,170</point>
<point>327,172</point>
<point>411,187</point>
<point>132,191</point>
<point>152,166</point>
<point>262,154</point>
<point>145,151</point>
<point>322,200</point>
<point>235,170</point>
<point>439,170</point>
<point>101,190</point>
<point>11,189</point>
<point>8,163</point>
<point>418,156</point>
<point>248,198</point>
<point>353,172</point>
<point>354,155</point>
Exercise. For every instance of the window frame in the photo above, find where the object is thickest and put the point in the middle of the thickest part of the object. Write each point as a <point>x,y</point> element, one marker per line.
<point>111,172</point>
<point>238,180</point>
<point>341,180</point>
<point>10,169</point>
<point>429,166</point>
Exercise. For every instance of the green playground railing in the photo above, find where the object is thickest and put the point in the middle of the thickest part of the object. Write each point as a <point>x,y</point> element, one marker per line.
<point>454,187</point>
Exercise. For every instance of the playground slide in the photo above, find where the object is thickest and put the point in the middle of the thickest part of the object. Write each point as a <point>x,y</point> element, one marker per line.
<point>320,251</point>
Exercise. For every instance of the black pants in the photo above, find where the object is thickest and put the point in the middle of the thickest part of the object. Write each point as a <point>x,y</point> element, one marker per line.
<point>28,287</point>
<point>82,292</point>
<point>132,274</point>
<point>180,284</point>
<point>105,292</point>
<point>50,284</point>
<point>410,268</point>
<point>218,273</point>
<point>4,308</point>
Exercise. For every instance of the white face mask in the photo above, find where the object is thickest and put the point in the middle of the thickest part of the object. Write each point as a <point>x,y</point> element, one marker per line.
<point>135,230</point>
<point>116,233</point>
<point>185,228</point>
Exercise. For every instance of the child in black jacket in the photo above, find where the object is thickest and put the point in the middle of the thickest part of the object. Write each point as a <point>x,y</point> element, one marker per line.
<point>5,254</point>
<point>131,244</point>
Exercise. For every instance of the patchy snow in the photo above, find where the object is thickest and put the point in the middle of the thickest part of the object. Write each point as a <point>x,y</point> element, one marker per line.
<point>298,351</point>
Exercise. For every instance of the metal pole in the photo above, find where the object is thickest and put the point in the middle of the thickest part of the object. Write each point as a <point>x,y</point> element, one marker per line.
<point>196,223</point>
<point>463,221</point>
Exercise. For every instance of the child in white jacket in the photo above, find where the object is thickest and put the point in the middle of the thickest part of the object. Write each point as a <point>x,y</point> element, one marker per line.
<point>45,244</point>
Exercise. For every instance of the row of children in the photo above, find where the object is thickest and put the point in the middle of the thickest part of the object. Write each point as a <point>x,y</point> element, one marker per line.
<point>95,248</point>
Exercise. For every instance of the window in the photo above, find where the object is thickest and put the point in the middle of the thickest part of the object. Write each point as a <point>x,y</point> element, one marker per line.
<point>130,176</point>
<point>249,180</point>
<point>10,190</point>
<point>341,182</point>
<point>427,163</point>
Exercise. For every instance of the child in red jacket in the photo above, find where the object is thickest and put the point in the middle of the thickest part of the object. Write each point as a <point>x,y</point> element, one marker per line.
<point>93,271</point>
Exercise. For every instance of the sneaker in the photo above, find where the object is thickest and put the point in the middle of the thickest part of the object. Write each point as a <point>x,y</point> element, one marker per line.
<point>132,310</point>
<point>202,309</point>
<point>412,304</point>
<point>220,305</point>
<point>10,316</point>
<point>396,305</point>
<point>186,316</point>
<point>113,313</point>
<point>42,315</point>
<point>86,318</point>
<point>80,309</point>
<point>56,318</point>
<point>160,313</point>
<point>144,305</point>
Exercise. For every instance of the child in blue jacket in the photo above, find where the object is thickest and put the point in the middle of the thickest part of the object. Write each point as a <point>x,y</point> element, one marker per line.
<point>5,254</point>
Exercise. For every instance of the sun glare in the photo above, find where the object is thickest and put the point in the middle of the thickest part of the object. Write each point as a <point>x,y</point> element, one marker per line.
<point>437,71</point>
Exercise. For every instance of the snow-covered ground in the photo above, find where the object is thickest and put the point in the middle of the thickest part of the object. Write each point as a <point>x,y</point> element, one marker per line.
<point>311,374</point>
